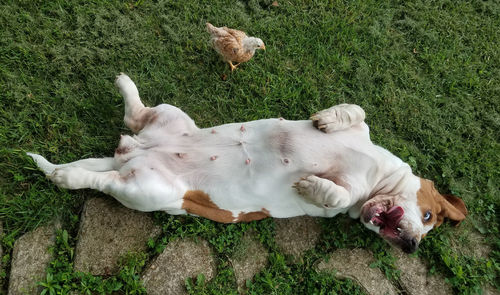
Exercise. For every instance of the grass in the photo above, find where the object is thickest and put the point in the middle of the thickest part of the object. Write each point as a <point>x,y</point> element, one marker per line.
<point>426,72</point>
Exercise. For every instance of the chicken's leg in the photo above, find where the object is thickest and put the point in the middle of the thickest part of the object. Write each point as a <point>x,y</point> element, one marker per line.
<point>233,67</point>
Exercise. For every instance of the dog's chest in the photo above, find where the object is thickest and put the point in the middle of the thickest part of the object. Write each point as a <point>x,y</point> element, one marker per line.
<point>253,145</point>
<point>248,167</point>
<point>264,143</point>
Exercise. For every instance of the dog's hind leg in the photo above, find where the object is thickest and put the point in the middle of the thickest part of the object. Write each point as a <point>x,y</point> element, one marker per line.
<point>92,164</point>
<point>338,117</point>
<point>135,189</point>
<point>136,114</point>
<point>138,117</point>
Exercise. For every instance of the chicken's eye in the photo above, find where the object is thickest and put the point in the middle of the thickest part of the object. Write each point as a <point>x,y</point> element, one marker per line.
<point>427,216</point>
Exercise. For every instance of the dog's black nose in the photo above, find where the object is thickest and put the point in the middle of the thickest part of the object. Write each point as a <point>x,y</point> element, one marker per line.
<point>410,245</point>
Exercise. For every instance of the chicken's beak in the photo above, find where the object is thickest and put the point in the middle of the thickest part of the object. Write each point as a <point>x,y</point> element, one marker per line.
<point>263,47</point>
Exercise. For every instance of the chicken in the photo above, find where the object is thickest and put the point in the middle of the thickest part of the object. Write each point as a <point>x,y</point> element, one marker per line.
<point>234,45</point>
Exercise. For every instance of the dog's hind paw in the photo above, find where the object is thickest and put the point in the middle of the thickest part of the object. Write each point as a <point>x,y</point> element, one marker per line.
<point>42,163</point>
<point>126,86</point>
<point>69,177</point>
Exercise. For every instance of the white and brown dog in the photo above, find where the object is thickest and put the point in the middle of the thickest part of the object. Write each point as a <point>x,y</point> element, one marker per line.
<point>267,168</point>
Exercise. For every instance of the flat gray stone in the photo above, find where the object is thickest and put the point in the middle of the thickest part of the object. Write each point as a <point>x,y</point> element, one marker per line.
<point>180,260</point>
<point>296,235</point>
<point>250,257</point>
<point>1,249</point>
<point>2,291</point>
<point>30,259</point>
<point>490,290</point>
<point>475,245</point>
<point>107,232</point>
<point>355,265</point>
<point>415,278</point>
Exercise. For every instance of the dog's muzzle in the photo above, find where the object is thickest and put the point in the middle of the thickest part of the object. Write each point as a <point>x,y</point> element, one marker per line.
<point>409,244</point>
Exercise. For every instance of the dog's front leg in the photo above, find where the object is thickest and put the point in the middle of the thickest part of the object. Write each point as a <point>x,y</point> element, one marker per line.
<point>339,117</point>
<point>323,192</point>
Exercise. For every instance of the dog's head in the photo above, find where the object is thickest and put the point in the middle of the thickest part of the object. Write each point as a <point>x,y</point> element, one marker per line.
<point>403,220</point>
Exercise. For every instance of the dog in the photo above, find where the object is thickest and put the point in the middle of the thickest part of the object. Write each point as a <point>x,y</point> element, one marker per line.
<point>242,172</point>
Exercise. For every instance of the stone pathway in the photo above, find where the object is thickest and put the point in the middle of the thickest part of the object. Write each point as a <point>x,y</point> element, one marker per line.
<point>180,260</point>
<point>108,231</point>
<point>355,265</point>
<point>415,277</point>
<point>249,258</point>
<point>295,236</point>
<point>30,258</point>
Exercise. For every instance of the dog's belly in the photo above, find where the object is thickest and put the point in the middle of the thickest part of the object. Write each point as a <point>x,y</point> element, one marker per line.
<point>246,167</point>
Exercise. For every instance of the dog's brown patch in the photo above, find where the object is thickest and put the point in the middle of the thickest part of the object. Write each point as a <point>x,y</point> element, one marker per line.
<point>199,203</point>
<point>427,200</point>
<point>143,117</point>
<point>122,150</point>
<point>448,206</point>
<point>251,216</point>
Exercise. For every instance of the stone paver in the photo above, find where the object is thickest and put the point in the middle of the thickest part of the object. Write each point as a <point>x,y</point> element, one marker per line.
<point>108,231</point>
<point>1,249</point>
<point>2,291</point>
<point>296,235</point>
<point>475,246</point>
<point>355,265</point>
<point>180,260</point>
<point>249,259</point>
<point>415,278</point>
<point>30,259</point>
<point>490,290</point>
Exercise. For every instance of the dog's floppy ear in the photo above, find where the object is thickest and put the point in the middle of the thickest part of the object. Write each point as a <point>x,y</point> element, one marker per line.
<point>451,207</point>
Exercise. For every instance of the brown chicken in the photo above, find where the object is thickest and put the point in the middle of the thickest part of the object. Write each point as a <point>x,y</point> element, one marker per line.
<point>234,45</point>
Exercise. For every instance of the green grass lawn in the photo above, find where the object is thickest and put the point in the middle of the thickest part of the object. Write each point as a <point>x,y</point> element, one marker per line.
<point>427,74</point>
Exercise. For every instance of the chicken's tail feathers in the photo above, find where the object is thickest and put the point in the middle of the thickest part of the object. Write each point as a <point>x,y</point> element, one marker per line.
<point>211,28</point>
<point>214,30</point>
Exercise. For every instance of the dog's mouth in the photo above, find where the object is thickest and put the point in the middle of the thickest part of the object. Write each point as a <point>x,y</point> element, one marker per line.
<point>386,218</point>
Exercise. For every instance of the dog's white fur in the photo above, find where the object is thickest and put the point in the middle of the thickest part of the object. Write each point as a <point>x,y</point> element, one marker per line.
<point>274,167</point>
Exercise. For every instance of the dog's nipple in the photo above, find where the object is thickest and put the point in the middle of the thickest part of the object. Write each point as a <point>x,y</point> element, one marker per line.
<point>247,161</point>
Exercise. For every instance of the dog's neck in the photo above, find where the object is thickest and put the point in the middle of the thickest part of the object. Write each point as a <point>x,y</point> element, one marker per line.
<point>391,176</point>
<point>394,181</point>
<point>395,175</point>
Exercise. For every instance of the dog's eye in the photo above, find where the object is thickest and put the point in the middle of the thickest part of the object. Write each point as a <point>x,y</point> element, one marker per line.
<point>427,216</point>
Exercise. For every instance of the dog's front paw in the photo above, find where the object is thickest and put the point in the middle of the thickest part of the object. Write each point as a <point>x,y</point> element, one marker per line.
<point>339,117</point>
<point>325,120</point>
<point>323,192</point>
<point>312,189</point>
<point>306,186</point>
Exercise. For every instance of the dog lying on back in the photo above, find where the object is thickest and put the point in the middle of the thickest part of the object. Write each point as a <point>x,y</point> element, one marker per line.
<point>266,168</point>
